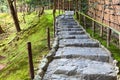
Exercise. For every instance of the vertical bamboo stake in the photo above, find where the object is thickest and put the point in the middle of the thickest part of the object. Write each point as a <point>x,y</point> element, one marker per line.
<point>93,24</point>
<point>80,11</point>
<point>102,17</point>
<point>48,38</point>
<point>30,60</point>
<point>77,15</point>
<point>63,5</point>
<point>108,33</point>
<point>108,36</point>
<point>59,6</point>
<point>69,5</point>
<point>54,11</point>
<point>119,41</point>
<point>84,18</point>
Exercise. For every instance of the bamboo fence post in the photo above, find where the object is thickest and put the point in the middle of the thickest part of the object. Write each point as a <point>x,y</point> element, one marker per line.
<point>30,60</point>
<point>48,38</point>
<point>108,36</point>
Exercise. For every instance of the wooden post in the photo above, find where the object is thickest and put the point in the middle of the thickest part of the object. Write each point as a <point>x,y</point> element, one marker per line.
<point>84,18</point>
<point>119,41</point>
<point>77,15</point>
<point>101,31</point>
<point>80,10</point>
<point>108,36</point>
<point>102,18</point>
<point>101,27</point>
<point>59,6</point>
<point>30,60</point>
<point>108,33</point>
<point>69,5</point>
<point>93,24</point>
<point>54,11</point>
<point>63,5</point>
<point>48,38</point>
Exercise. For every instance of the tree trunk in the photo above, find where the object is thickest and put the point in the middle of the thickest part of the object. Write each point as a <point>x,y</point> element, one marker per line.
<point>41,12</point>
<point>14,15</point>
<point>15,7</point>
<point>1,30</point>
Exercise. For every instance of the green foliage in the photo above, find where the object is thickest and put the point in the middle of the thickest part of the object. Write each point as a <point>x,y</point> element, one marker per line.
<point>84,6</point>
<point>3,6</point>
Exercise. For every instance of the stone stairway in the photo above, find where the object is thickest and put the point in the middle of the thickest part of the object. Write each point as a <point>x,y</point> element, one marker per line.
<point>79,57</point>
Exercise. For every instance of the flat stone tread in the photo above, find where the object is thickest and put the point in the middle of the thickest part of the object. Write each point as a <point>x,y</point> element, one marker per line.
<point>78,43</point>
<point>82,36</point>
<point>98,54</point>
<point>71,32</point>
<point>68,26</point>
<point>70,69</point>
<point>70,29</point>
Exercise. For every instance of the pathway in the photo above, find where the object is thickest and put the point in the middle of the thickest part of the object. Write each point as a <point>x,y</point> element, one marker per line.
<point>79,57</point>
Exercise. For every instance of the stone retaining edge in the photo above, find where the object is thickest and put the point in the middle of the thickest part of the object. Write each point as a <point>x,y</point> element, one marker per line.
<point>46,60</point>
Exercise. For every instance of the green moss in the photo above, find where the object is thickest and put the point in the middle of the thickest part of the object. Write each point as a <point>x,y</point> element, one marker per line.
<point>16,60</point>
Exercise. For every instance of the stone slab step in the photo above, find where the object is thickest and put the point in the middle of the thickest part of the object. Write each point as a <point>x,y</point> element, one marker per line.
<point>97,54</point>
<point>83,36</point>
<point>71,32</point>
<point>70,29</point>
<point>71,13</point>
<point>67,26</point>
<point>75,69</point>
<point>78,43</point>
<point>63,20</point>
<point>67,21</point>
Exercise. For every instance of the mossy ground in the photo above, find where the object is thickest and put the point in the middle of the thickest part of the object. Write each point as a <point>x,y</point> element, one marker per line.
<point>14,47</point>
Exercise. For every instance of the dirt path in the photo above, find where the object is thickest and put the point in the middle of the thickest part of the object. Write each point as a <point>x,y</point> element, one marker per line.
<point>2,66</point>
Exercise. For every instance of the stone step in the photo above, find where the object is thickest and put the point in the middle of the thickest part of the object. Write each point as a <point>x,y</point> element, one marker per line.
<point>79,69</point>
<point>97,54</point>
<point>66,20</point>
<point>78,43</point>
<point>71,32</point>
<point>83,36</point>
<point>68,23</point>
<point>67,26</point>
<point>70,29</point>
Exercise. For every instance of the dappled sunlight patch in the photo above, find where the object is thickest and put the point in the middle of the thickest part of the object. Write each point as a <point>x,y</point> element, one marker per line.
<point>2,66</point>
